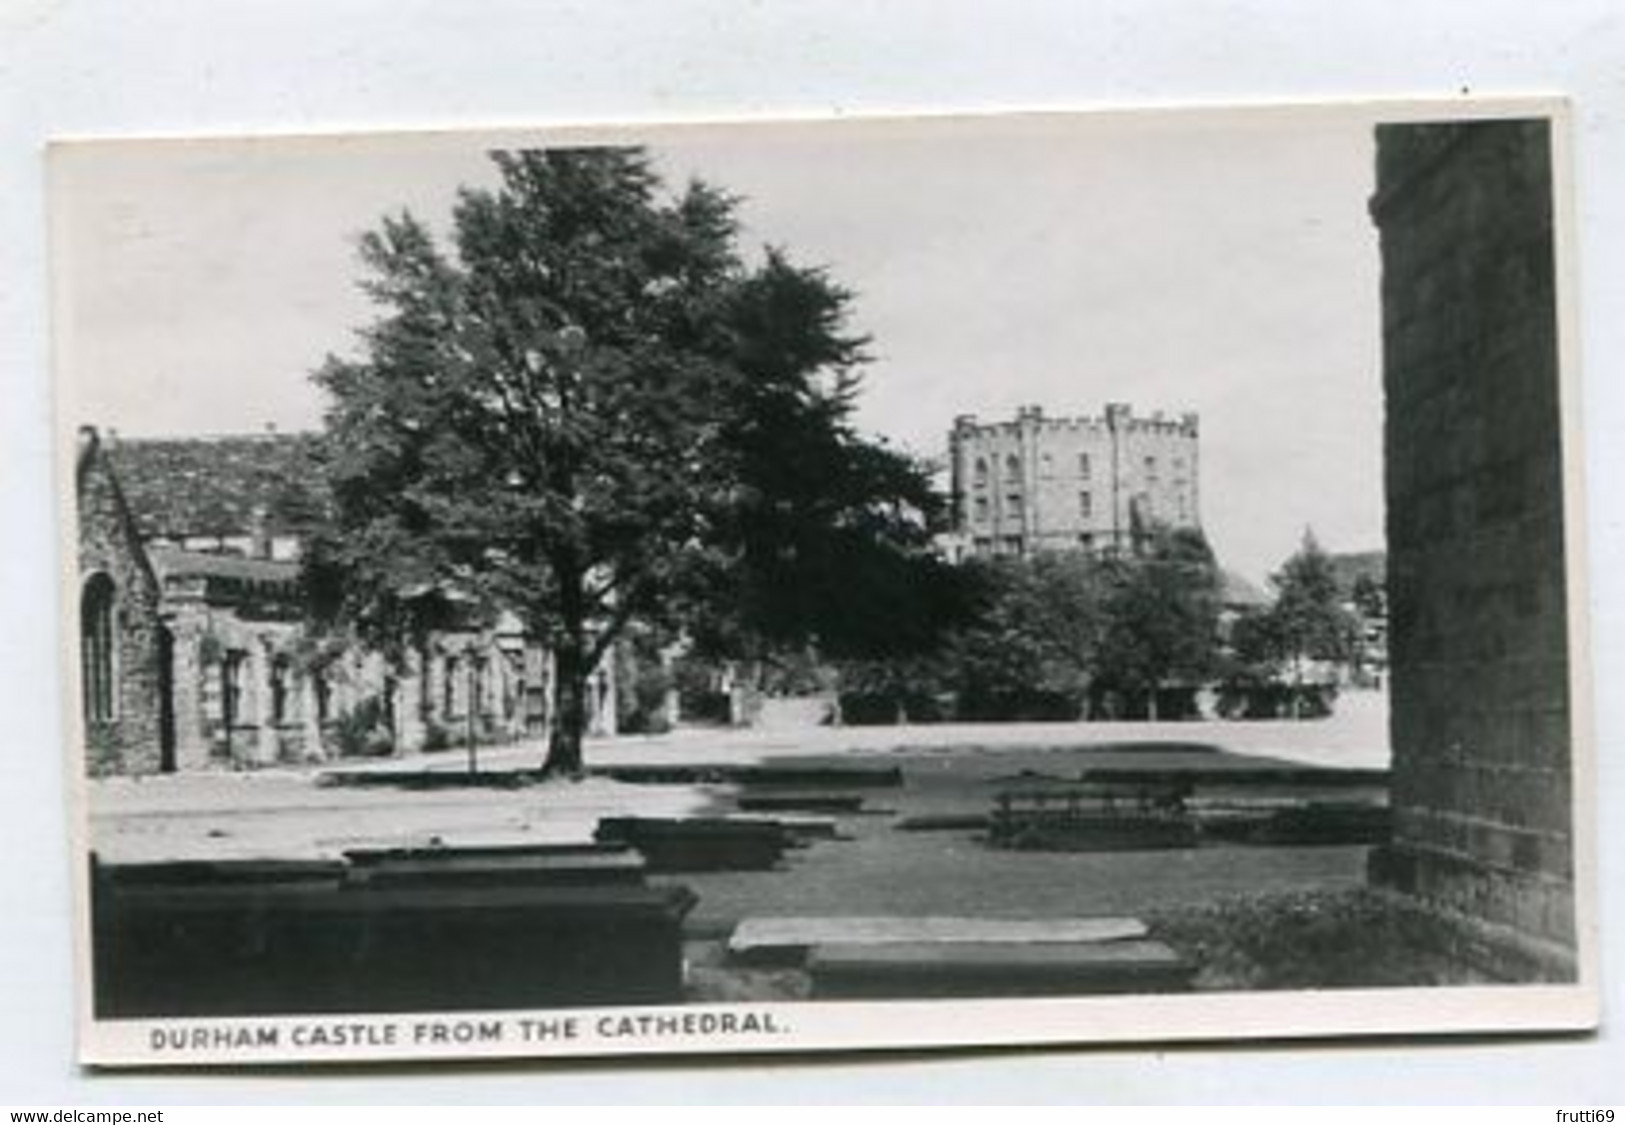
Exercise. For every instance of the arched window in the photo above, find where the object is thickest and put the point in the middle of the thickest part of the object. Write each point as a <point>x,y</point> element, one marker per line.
<point>96,649</point>
<point>1012,468</point>
<point>981,472</point>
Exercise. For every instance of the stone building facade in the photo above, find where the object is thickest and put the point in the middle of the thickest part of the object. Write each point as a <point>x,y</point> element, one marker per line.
<point>196,647</point>
<point>123,644</point>
<point>1038,483</point>
<point>1477,590</point>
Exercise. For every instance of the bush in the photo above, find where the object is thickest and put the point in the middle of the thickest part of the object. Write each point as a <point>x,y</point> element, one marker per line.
<point>362,731</point>
<point>1030,706</point>
<point>642,699</point>
<point>869,708</point>
<point>704,706</point>
<point>1274,700</point>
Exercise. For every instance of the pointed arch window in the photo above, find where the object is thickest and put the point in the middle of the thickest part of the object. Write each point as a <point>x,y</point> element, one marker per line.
<point>96,649</point>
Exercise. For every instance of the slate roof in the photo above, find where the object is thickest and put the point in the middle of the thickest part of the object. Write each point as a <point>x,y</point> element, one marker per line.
<point>177,562</point>
<point>210,486</point>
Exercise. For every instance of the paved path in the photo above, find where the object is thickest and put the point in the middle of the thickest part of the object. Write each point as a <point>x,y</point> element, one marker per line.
<point>286,813</point>
<point>1355,737</point>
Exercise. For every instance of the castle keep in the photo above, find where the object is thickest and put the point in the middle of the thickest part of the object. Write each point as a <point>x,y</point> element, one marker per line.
<point>1040,483</point>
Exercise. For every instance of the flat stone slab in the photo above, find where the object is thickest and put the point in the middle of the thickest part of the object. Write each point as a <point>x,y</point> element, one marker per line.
<point>787,940</point>
<point>944,822</point>
<point>801,777</point>
<point>801,827</point>
<point>1064,831</point>
<point>699,844</point>
<point>363,857</point>
<point>801,802</point>
<point>214,873</point>
<point>450,868</point>
<point>267,949</point>
<point>987,969</point>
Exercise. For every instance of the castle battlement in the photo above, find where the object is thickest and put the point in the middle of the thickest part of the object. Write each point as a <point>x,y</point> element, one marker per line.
<point>1072,482</point>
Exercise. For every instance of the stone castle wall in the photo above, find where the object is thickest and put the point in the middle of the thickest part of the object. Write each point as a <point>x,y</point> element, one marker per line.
<point>1478,600</point>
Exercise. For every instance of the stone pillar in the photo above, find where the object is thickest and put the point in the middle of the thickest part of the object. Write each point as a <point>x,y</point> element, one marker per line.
<point>188,626</point>
<point>266,748</point>
<point>610,702</point>
<point>410,728</point>
<point>310,719</point>
<point>671,703</point>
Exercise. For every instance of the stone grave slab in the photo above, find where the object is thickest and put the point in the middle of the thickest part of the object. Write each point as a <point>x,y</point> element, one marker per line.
<point>787,939</point>
<point>944,822</point>
<point>995,969</point>
<point>701,843</point>
<point>184,873</point>
<point>832,776</point>
<point>800,802</point>
<point>801,828</point>
<point>489,868</point>
<point>279,950</point>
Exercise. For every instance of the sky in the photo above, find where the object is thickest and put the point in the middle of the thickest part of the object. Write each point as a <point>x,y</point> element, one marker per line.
<point>1178,261</point>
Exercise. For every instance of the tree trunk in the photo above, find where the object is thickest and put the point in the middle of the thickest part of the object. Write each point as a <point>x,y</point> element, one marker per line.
<point>569,712</point>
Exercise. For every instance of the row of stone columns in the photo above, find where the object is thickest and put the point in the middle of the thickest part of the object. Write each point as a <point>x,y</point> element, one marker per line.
<point>204,712</point>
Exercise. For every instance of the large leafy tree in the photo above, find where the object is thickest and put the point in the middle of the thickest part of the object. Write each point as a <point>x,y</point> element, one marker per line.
<point>578,411</point>
<point>1163,614</point>
<point>829,538</point>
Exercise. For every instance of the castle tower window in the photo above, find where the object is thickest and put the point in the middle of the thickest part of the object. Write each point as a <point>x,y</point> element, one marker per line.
<point>1085,505</point>
<point>1012,503</point>
<point>981,509</point>
<point>980,474</point>
<point>1083,465</point>
<point>1012,467</point>
<point>96,649</point>
<point>1151,469</point>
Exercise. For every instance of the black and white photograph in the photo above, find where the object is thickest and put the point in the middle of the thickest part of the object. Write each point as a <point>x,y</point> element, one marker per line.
<point>775,586</point>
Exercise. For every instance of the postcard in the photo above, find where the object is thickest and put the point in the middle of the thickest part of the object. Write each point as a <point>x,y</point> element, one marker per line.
<point>1064,577</point>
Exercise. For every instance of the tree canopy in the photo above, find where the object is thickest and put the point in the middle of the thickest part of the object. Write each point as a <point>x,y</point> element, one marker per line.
<point>1311,621</point>
<point>589,409</point>
<point>1163,613</point>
